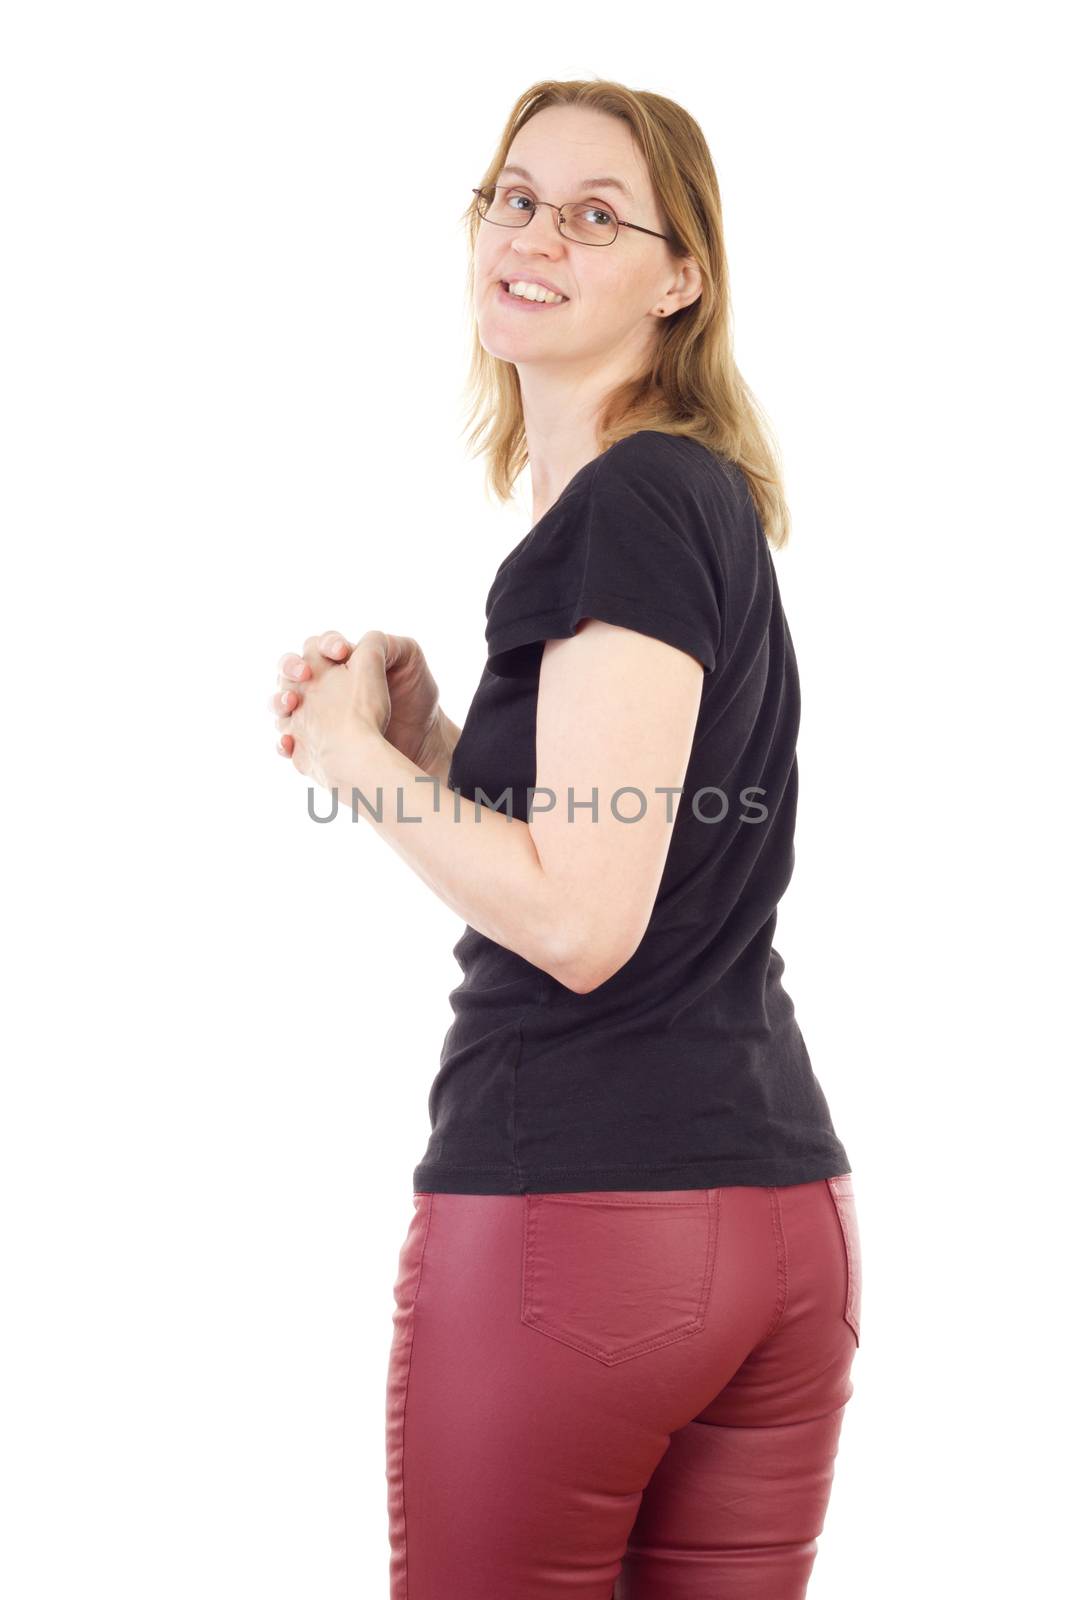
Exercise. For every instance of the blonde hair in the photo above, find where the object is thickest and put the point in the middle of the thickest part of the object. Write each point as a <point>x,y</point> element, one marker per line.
<point>693,387</point>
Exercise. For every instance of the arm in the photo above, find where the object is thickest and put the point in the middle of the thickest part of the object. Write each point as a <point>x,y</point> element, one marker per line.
<point>479,863</point>
<point>446,737</point>
<point>616,708</point>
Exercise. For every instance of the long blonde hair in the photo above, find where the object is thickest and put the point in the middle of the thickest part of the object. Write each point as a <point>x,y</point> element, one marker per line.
<point>693,387</point>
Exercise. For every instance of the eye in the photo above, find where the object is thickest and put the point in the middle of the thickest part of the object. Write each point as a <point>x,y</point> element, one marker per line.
<point>599,217</point>
<point>518,194</point>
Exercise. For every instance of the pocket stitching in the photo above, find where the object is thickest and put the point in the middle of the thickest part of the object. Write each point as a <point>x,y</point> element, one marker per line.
<point>839,1194</point>
<point>425,1241</point>
<point>642,1347</point>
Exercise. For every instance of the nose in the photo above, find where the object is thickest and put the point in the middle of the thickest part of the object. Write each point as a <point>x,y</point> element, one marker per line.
<point>549,240</point>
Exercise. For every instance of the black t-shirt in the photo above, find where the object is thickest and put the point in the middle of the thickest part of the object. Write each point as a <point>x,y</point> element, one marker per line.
<point>686,1069</point>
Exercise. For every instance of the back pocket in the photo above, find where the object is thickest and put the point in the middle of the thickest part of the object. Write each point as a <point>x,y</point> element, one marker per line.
<point>845,1205</point>
<point>616,1274</point>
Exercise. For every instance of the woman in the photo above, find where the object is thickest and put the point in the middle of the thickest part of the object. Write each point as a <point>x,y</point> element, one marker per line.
<point>628,1300</point>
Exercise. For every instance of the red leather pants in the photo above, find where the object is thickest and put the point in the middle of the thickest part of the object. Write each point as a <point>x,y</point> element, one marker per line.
<point>619,1395</point>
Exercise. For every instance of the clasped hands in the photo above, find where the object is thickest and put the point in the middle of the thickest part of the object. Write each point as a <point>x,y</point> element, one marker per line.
<point>329,700</point>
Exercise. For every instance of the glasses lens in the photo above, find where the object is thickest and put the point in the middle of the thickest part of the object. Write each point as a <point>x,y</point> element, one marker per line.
<point>510,208</point>
<point>586,221</point>
<point>589,222</point>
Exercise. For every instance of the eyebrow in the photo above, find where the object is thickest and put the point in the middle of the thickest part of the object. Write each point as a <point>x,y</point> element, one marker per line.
<point>586,183</point>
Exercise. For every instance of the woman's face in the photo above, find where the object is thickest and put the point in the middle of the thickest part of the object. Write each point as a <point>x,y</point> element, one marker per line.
<point>612,290</point>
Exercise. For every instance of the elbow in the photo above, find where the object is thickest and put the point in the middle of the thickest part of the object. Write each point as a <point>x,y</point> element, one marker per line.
<point>581,964</point>
<point>576,976</point>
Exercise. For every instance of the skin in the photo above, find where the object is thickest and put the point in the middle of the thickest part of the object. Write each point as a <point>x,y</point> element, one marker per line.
<point>616,708</point>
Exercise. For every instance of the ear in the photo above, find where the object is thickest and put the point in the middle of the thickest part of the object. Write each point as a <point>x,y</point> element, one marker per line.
<point>690,284</point>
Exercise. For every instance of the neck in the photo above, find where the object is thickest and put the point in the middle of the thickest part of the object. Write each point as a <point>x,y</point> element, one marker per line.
<point>560,410</point>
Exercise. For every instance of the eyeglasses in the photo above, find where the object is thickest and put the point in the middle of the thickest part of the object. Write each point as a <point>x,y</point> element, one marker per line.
<point>583,221</point>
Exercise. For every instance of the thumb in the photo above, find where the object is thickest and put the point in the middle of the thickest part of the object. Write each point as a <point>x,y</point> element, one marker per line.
<point>382,643</point>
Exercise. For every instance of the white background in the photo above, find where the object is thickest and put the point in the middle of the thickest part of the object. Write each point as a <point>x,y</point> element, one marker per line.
<point>231,419</point>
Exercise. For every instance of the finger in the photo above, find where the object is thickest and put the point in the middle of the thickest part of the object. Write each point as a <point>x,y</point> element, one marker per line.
<point>285,744</point>
<point>293,666</point>
<point>335,645</point>
<point>284,701</point>
<point>391,648</point>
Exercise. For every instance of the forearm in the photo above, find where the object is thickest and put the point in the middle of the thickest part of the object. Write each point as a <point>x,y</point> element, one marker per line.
<point>482,864</point>
<point>446,738</point>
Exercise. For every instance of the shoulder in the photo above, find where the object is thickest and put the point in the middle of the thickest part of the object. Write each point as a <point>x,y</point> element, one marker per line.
<point>649,451</point>
<point>632,541</point>
<point>669,486</point>
<point>671,472</point>
<point>650,496</point>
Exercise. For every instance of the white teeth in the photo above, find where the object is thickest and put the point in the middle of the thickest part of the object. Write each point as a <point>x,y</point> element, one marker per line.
<point>534,291</point>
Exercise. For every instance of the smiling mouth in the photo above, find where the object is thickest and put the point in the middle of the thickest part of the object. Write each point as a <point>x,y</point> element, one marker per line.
<point>521,300</point>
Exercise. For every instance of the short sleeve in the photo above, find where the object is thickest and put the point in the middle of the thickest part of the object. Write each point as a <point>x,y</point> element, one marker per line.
<point>630,548</point>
